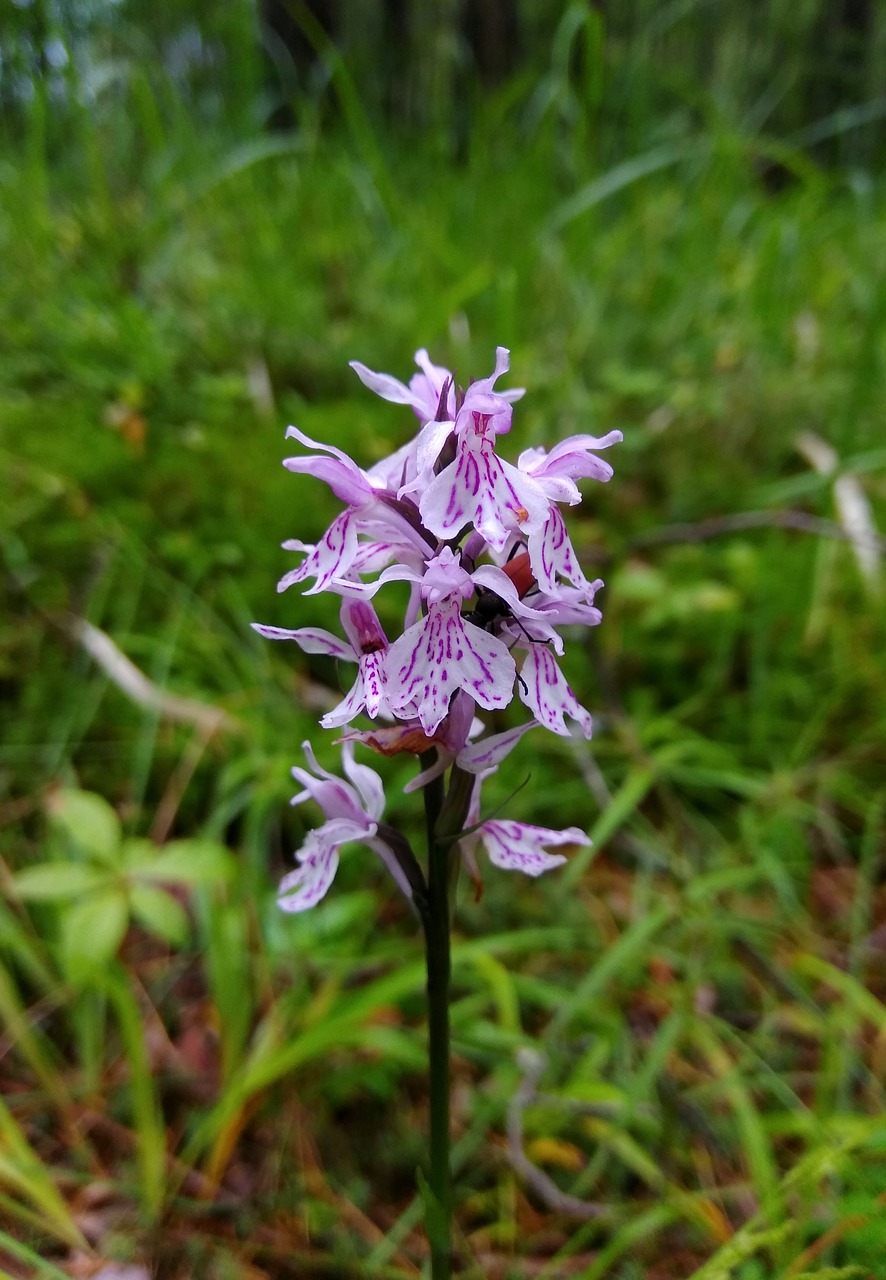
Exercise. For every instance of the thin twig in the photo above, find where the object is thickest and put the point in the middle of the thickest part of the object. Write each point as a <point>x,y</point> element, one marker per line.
<point>179,782</point>
<point>130,680</point>
<point>532,1064</point>
<point>715,526</point>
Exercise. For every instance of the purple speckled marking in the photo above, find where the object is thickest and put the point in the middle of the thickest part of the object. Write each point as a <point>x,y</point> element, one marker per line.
<point>479,488</point>
<point>546,693</point>
<point>558,554</point>
<point>372,670</point>
<point>516,846</point>
<point>303,888</point>
<point>330,558</point>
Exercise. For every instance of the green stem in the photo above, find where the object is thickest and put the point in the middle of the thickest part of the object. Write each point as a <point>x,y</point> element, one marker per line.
<point>437,943</point>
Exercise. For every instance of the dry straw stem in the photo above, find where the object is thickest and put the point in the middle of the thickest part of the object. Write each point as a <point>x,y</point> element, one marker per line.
<point>133,682</point>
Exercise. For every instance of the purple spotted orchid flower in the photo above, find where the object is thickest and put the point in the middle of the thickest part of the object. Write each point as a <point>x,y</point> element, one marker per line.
<point>353,811</point>
<point>366,645</point>
<point>493,578</point>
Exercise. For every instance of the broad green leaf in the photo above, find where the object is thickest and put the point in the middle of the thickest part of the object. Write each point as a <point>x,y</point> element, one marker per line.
<point>92,930</point>
<point>159,913</point>
<point>181,862</point>
<point>51,881</point>
<point>138,856</point>
<point>88,821</point>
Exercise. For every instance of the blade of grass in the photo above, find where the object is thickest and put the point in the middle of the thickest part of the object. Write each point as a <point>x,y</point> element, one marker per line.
<point>146,1113</point>
<point>616,813</point>
<point>22,1170</point>
<point>622,953</point>
<point>754,1141</point>
<point>277,1051</point>
<point>29,1043</point>
<point>502,989</point>
<point>42,1270</point>
<point>617,179</point>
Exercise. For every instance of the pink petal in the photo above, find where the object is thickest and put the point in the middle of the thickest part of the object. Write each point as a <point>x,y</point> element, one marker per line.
<point>352,590</point>
<point>488,753</point>
<point>428,444</point>
<point>309,639</point>
<point>331,557</point>
<point>366,780</point>
<point>552,554</point>
<point>517,846</point>
<point>350,706</point>
<point>346,480</point>
<point>444,576</point>
<point>373,670</point>
<point>502,365</point>
<point>571,457</point>
<point>568,461</point>
<point>547,695</point>
<point>334,796</point>
<point>478,488</point>
<point>384,385</point>
<point>303,888</point>
<point>362,627</point>
<point>429,386</point>
<point>339,801</point>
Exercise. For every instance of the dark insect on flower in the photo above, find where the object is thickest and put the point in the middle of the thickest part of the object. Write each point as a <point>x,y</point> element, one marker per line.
<point>491,608</point>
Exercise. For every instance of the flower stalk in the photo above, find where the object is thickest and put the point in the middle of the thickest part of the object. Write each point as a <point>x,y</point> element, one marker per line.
<point>436,922</point>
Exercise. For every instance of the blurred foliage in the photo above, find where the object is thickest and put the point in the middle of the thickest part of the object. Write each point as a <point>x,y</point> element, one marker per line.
<point>644,211</point>
<point>613,75</point>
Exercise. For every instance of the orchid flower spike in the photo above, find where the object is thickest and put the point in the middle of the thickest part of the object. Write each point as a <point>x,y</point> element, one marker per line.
<point>491,578</point>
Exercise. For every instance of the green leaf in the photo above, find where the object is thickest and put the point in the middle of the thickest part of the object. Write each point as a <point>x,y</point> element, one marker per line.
<point>88,821</point>
<point>138,856</point>
<point>53,880</point>
<point>436,1220</point>
<point>92,931</point>
<point>160,913</point>
<point>24,1173</point>
<point>180,862</point>
<point>146,1112</point>
<point>595,1093</point>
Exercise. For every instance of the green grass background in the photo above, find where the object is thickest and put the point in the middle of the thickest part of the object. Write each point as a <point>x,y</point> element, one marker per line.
<point>196,1084</point>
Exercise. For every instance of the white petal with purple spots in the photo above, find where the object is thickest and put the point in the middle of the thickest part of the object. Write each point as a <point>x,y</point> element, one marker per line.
<point>440,654</point>
<point>547,695</point>
<point>517,846</point>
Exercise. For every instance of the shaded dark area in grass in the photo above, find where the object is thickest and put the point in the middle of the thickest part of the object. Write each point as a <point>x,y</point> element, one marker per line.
<point>198,1086</point>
